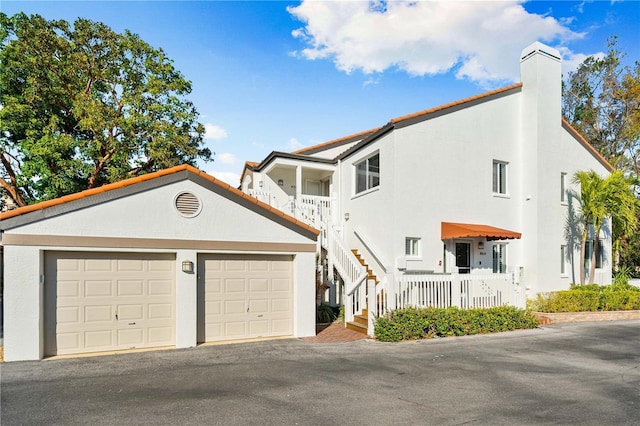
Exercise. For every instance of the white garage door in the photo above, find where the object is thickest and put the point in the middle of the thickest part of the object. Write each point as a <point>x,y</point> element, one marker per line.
<point>243,297</point>
<point>106,301</point>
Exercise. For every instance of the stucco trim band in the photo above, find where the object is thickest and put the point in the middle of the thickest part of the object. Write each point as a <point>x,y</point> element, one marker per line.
<point>151,243</point>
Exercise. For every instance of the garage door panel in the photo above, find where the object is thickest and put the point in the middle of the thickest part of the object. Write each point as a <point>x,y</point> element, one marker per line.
<point>68,341</point>
<point>259,306</point>
<point>98,265</point>
<point>258,327</point>
<point>160,287</point>
<point>252,290</point>
<point>130,337</point>
<point>69,315</point>
<point>234,285</point>
<point>130,312</point>
<point>68,288</point>
<point>258,265</point>
<point>131,287</point>
<point>98,339</point>
<point>234,307</point>
<point>97,313</point>
<point>84,296</point>
<point>237,329</point>
<point>258,285</point>
<point>127,265</point>
<point>160,335</point>
<point>160,311</point>
<point>98,288</point>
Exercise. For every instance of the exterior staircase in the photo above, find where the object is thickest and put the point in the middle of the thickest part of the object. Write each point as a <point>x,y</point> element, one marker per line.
<point>361,319</point>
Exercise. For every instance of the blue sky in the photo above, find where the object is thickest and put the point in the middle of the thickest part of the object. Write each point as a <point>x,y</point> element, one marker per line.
<point>278,76</point>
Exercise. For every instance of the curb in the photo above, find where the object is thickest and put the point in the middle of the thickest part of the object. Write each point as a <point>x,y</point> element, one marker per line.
<point>548,318</point>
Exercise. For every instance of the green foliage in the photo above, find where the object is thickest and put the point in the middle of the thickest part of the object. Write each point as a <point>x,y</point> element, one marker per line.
<point>601,99</point>
<point>413,323</point>
<point>589,298</point>
<point>325,313</point>
<point>83,106</point>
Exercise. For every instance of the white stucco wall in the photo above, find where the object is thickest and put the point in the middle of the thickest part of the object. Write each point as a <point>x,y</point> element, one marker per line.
<point>440,170</point>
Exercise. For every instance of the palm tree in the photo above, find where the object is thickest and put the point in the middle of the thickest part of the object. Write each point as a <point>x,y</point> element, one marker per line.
<point>600,198</point>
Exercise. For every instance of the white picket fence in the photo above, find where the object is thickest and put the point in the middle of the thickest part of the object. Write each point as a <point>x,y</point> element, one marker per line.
<point>464,291</point>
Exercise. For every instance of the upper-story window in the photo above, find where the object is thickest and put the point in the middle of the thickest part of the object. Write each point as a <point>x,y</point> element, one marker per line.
<point>368,173</point>
<point>499,177</point>
<point>563,188</point>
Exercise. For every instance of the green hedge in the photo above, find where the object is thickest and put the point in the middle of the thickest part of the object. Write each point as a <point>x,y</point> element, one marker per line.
<point>588,298</point>
<point>413,324</point>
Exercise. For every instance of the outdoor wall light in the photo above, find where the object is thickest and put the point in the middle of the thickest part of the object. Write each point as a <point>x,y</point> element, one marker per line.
<point>260,184</point>
<point>280,182</point>
<point>480,245</point>
<point>187,266</point>
<point>346,216</point>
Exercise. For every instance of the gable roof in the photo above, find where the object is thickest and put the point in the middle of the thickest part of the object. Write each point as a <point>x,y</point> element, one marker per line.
<point>416,117</point>
<point>83,199</point>
<point>587,145</point>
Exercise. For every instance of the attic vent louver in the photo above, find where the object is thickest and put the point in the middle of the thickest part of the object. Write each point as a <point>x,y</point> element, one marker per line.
<point>187,204</point>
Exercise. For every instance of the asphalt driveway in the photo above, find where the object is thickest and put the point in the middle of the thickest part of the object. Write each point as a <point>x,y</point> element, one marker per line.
<point>585,373</point>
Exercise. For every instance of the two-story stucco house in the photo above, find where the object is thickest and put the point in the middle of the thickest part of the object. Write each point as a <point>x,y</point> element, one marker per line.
<point>470,203</point>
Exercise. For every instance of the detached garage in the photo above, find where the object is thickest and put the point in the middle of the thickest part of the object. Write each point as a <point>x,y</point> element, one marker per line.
<point>173,258</point>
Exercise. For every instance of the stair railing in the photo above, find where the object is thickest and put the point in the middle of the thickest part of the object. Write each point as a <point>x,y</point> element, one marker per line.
<point>352,272</point>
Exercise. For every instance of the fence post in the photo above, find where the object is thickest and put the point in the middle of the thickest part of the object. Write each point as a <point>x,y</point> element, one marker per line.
<point>372,305</point>
<point>456,293</point>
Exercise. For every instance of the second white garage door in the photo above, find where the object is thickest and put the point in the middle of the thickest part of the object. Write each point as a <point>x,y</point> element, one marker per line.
<point>244,296</point>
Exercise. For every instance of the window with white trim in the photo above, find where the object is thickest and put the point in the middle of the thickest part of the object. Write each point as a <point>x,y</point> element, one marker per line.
<point>563,188</point>
<point>499,258</point>
<point>367,173</point>
<point>563,260</point>
<point>499,177</point>
<point>412,247</point>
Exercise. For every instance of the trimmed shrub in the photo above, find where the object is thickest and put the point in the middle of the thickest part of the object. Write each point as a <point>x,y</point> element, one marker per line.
<point>427,323</point>
<point>588,298</point>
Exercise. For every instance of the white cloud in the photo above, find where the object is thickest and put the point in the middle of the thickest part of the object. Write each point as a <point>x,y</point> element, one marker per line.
<point>214,132</point>
<point>231,178</point>
<point>476,39</point>
<point>227,158</point>
<point>294,145</point>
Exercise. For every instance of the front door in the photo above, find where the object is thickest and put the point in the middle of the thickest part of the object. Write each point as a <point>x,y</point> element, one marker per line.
<point>463,257</point>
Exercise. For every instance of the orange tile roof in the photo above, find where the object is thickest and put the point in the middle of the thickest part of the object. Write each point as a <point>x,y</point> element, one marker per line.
<point>455,103</point>
<point>335,141</point>
<point>132,181</point>
<point>587,145</point>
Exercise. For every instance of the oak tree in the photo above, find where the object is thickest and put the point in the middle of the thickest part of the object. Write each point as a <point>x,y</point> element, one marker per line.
<point>82,105</point>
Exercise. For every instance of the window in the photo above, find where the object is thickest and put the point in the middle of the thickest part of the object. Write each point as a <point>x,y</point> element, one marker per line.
<point>499,258</point>
<point>499,177</point>
<point>563,187</point>
<point>563,260</point>
<point>412,247</point>
<point>588,250</point>
<point>368,173</point>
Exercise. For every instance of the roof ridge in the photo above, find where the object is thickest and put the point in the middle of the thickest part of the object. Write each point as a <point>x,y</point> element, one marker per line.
<point>149,176</point>
<point>335,141</point>
<point>455,103</point>
<point>587,145</point>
